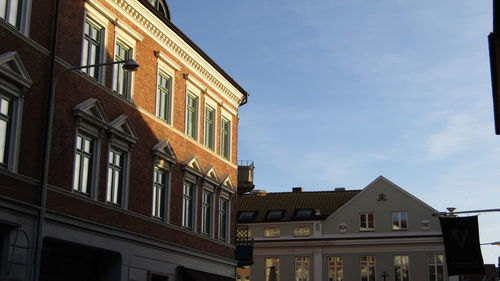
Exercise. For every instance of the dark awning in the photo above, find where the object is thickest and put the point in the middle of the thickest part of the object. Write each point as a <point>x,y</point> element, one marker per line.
<point>196,275</point>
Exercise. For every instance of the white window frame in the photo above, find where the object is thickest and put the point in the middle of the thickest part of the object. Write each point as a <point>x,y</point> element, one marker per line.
<point>367,227</point>
<point>399,220</point>
<point>195,92</point>
<point>302,263</point>
<point>369,264</point>
<point>272,232</point>
<point>432,261</point>
<point>94,163</point>
<point>210,102</point>
<point>334,264</point>
<point>164,199</point>
<point>23,18</point>
<point>128,37</point>
<point>401,263</point>
<point>226,116</point>
<point>103,21</point>
<point>300,231</point>
<point>123,143</point>
<point>192,209</point>
<point>123,178</point>
<point>13,84</point>
<point>207,213</point>
<point>269,262</point>
<point>168,67</point>
<point>221,214</point>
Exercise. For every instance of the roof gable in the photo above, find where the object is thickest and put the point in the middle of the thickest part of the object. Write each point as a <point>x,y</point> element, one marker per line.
<point>91,111</point>
<point>12,67</point>
<point>122,127</point>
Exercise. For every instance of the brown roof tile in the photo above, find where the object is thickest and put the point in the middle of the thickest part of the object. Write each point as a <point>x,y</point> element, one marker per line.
<point>326,201</point>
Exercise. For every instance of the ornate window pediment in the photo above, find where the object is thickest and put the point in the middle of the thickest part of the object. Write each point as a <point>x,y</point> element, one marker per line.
<point>122,128</point>
<point>193,165</point>
<point>164,154</point>
<point>211,175</point>
<point>90,110</point>
<point>227,184</point>
<point>13,69</point>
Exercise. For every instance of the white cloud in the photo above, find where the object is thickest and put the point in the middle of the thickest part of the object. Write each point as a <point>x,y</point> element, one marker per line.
<point>460,132</point>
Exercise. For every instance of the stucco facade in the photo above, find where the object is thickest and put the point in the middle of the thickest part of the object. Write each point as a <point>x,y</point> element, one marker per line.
<point>380,230</point>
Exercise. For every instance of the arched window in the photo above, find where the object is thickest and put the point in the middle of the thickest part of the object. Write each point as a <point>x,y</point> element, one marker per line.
<point>161,6</point>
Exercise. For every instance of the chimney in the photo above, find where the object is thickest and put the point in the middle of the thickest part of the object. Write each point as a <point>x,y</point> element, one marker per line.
<point>339,188</point>
<point>297,189</point>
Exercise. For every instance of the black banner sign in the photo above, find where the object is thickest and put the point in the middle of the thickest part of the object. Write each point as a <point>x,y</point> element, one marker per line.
<point>461,244</point>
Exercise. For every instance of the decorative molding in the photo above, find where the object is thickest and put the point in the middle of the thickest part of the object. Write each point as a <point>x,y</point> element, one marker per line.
<point>160,32</point>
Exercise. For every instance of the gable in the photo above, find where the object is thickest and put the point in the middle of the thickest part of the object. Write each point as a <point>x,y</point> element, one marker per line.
<point>164,151</point>
<point>193,165</point>
<point>211,175</point>
<point>382,198</point>
<point>122,127</point>
<point>12,67</point>
<point>91,111</point>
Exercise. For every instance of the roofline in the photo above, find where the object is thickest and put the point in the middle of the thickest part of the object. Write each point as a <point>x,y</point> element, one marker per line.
<point>197,49</point>
<point>379,178</point>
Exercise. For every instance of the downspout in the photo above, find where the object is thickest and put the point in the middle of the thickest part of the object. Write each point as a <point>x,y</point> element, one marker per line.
<point>47,143</point>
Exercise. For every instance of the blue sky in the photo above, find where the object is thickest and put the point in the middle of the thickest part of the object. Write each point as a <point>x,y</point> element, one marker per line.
<point>343,91</point>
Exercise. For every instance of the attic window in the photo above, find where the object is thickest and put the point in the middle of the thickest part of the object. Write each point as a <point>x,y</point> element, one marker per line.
<point>303,214</point>
<point>246,216</point>
<point>160,6</point>
<point>274,215</point>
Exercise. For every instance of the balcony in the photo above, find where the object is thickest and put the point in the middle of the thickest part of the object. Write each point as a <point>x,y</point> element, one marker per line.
<point>244,246</point>
<point>245,176</point>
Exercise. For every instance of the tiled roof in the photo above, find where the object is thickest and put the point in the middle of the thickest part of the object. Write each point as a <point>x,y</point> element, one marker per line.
<point>326,201</point>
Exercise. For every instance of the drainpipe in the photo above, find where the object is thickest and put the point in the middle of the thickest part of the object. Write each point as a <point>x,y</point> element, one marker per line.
<point>47,143</point>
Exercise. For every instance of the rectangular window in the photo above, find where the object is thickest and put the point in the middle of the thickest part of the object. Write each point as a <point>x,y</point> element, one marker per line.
<point>188,205</point>
<point>401,268</point>
<point>11,12</point>
<point>206,212</point>
<point>335,269</point>
<point>366,222</point>
<point>435,264</point>
<point>92,47</point>
<point>243,273</point>
<point>84,164</point>
<point>223,218</point>
<point>209,127</point>
<point>160,180</point>
<point>273,267</point>
<point>271,232</point>
<point>122,79</point>
<point>115,177</point>
<point>5,129</point>
<point>164,97</point>
<point>225,143</point>
<point>191,116</point>
<point>399,220</point>
<point>367,268</point>
<point>301,231</point>
<point>302,270</point>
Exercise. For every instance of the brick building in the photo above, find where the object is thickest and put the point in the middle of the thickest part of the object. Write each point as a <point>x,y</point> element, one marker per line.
<point>379,233</point>
<point>140,177</point>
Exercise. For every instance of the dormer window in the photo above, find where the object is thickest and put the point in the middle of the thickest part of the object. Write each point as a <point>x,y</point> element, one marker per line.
<point>302,214</point>
<point>161,6</point>
<point>246,216</point>
<point>274,215</point>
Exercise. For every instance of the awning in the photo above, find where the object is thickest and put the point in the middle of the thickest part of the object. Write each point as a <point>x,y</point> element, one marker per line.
<point>196,275</point>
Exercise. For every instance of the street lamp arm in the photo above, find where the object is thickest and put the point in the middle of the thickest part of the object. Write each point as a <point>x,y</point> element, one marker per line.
<point>128,65</point>
<point>466,212</point>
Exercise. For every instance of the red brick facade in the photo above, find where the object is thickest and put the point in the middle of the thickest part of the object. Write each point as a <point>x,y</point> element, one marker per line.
<point>74,88</point>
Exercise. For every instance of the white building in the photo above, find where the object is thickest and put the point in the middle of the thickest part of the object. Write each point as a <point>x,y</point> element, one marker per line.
<point>379,233</point>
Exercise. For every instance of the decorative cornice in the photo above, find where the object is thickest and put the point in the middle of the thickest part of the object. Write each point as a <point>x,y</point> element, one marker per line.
<point>163,34</point>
